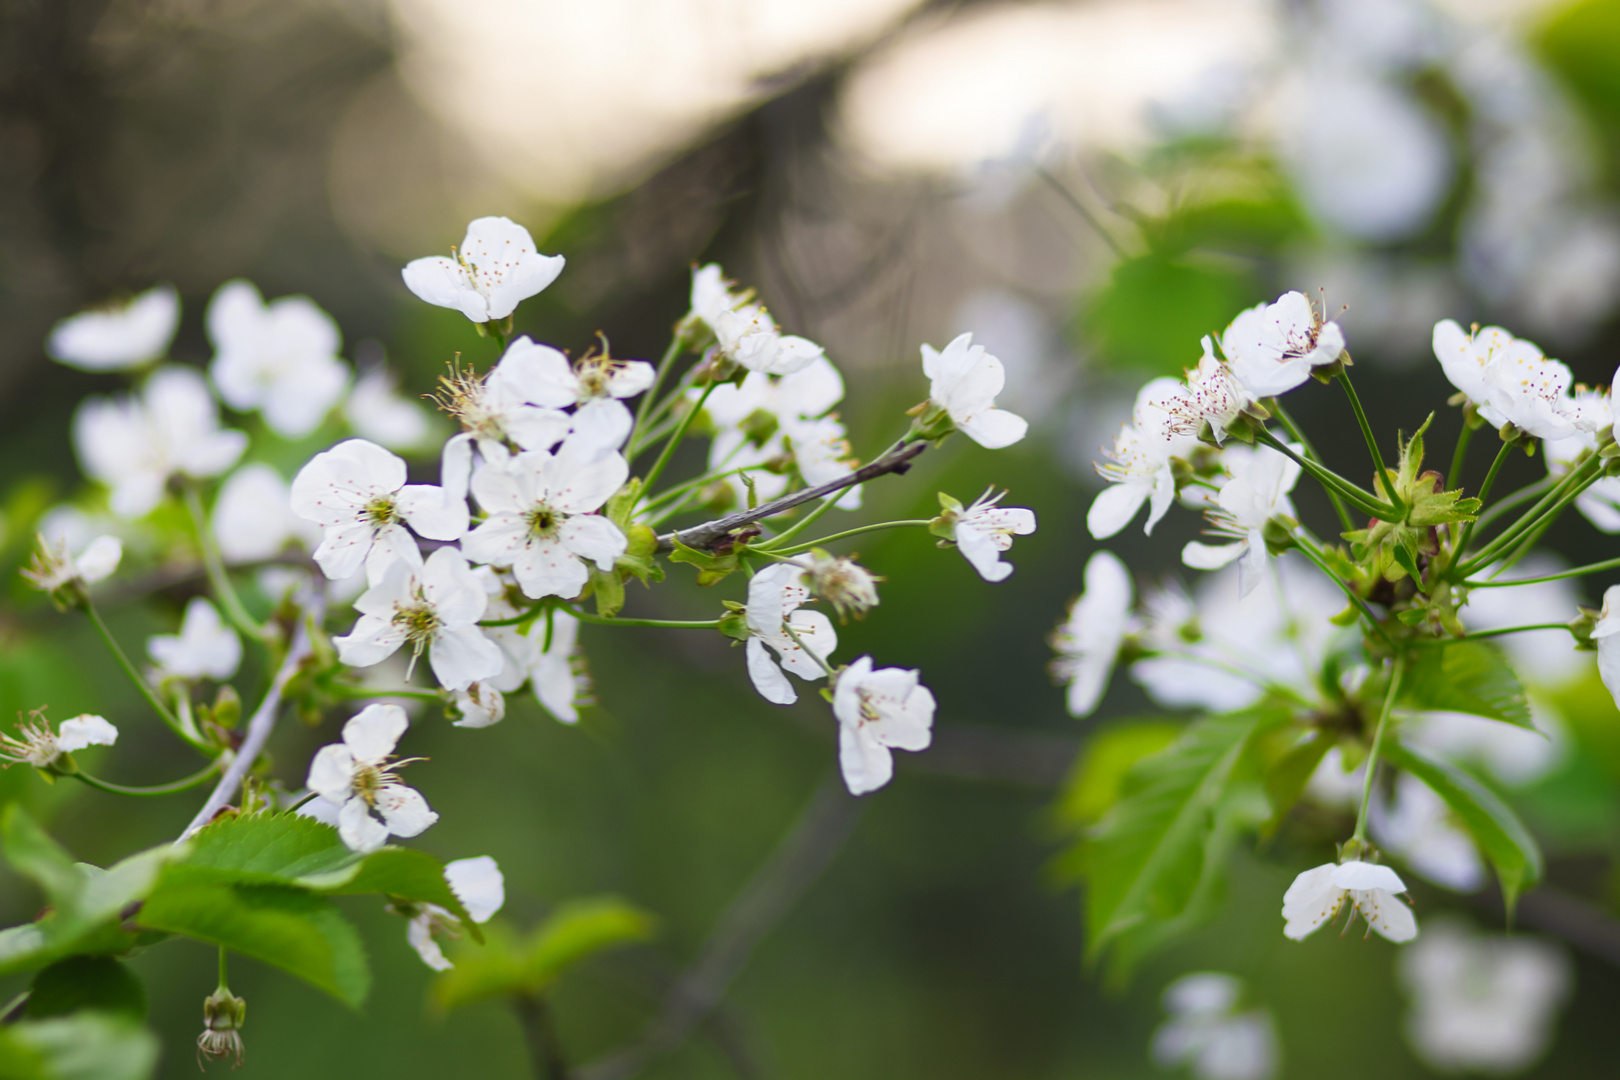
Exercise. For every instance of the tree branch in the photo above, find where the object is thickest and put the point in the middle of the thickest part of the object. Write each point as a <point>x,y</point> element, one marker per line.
<point>263,721</point>
<point>541,1035</point>
<point>802,855</point>
<point>704,537</point>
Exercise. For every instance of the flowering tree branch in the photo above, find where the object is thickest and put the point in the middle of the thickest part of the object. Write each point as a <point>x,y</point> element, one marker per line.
<point>262,723</point>
<point>704,537</point>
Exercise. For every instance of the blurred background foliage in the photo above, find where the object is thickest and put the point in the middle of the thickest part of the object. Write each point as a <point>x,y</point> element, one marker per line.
<point>1089,186</point>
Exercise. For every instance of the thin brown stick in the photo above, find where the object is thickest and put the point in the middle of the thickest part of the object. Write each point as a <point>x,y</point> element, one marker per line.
<point>534,1014</point>
<point>704,537</point>
<point>262,723</point>
<point>798,861</point>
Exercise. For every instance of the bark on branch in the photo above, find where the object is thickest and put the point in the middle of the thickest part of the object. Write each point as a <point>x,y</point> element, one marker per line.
<point>704,537</point>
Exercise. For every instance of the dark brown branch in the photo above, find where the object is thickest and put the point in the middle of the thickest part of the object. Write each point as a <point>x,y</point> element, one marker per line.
<point>797,862</point>
<point>704,537</point>
<point>541,1034</point>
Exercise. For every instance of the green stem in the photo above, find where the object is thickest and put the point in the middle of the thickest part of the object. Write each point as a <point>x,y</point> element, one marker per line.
<point>1362,500</point>
<point>647,399</point>
<point>1421,642</point>
<point>1566,491</point>
<point>1366,609</point>
<point>797,640</point>
<point>1458,456</point>
<point>1299,436</point>
<point>800,548</point>
<point>666,624</point>
<point>160,789</point>
<point>218,579</point>
<point>1484,492</point>
<point>675,439</point>
<point>224,983</point>
<point>1579,571</point>
<point>135,676</point>
<point>1395,674</point>
<point>1508,502</point>
<point>707,478</point>
<point>1372,443</point>
<point>363,693</point>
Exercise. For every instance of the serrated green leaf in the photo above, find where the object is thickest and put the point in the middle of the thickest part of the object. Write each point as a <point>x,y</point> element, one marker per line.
<point>1494,826</point>
<point>1099,775</point>
<point>1467,677</point>
<point>283,925</point>
<point>285,846</point>
<point>84,1046</point>
<point>86,982</point>
<point>510,964</point>
<point>401,872</point>
<point>1145,860</point>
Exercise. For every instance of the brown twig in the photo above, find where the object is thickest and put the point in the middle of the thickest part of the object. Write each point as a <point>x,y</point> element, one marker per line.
<point>262,723</point>
<point>704,537</point>
<point>541,1034</point>
<point>803,854</point>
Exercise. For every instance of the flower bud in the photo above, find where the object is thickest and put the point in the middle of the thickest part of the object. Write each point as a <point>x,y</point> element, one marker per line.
<point>223,1016</point>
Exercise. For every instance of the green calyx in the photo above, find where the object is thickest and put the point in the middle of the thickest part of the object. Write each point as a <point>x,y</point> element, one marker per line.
<point>1393,548</point>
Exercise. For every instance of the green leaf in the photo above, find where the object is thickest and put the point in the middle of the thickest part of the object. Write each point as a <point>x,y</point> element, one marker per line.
<point>86,982</point>
<point>283,925</point>
<point>34,855</point>
<point>1099,774</point>
<point>1498,831</point>
<point>285,846</point>
<point>711,568</point>
<point>1467,677</point>
<point>85,1046</point>
<point>1287,776</point>
<point>401,872</point>
<point>1146,859</point>
<point>509,964</point>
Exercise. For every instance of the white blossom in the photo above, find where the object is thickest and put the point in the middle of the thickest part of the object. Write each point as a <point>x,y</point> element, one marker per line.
<point>253,518</point>
<point>1257,492</point>
<point>481,888</point>
<point>1592,411</point>
<point>1212,396</point>
<point>542,520</point>
<point>434,607</point>
<point>1482,1003</point>
<point>375,410</point>
<point>964,381</point>
<point>496,269</point>
<point>774,596</point>
<point>1088,639</point>
<point>118,336</point>
<point>1225,651</point>
<point>1317,895</point>
<point>1418,827</point>
<point>984,530</point>
<point>205,648</point>
<point>500,410</point>
<point>1273,347</point>
<point>1607,636</point>
<point>280,358</point>
<point>135,443</point>
<point>878,711</point>
<point>480,705</point>
<point>357,493</point>
<point>55,566</point>
<point>38,746</point>
<point>1508,379</point>
<point>545,654</point>
<point>593,387</point>
<point>1141,470</point>
<point>766,421</point>
<point>358,781</point>
<point>1210,1034</point>
<point>744,331</point>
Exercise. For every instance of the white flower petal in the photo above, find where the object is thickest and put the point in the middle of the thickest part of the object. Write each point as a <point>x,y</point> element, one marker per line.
<point>85,730</point>
<point>478,884</point>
